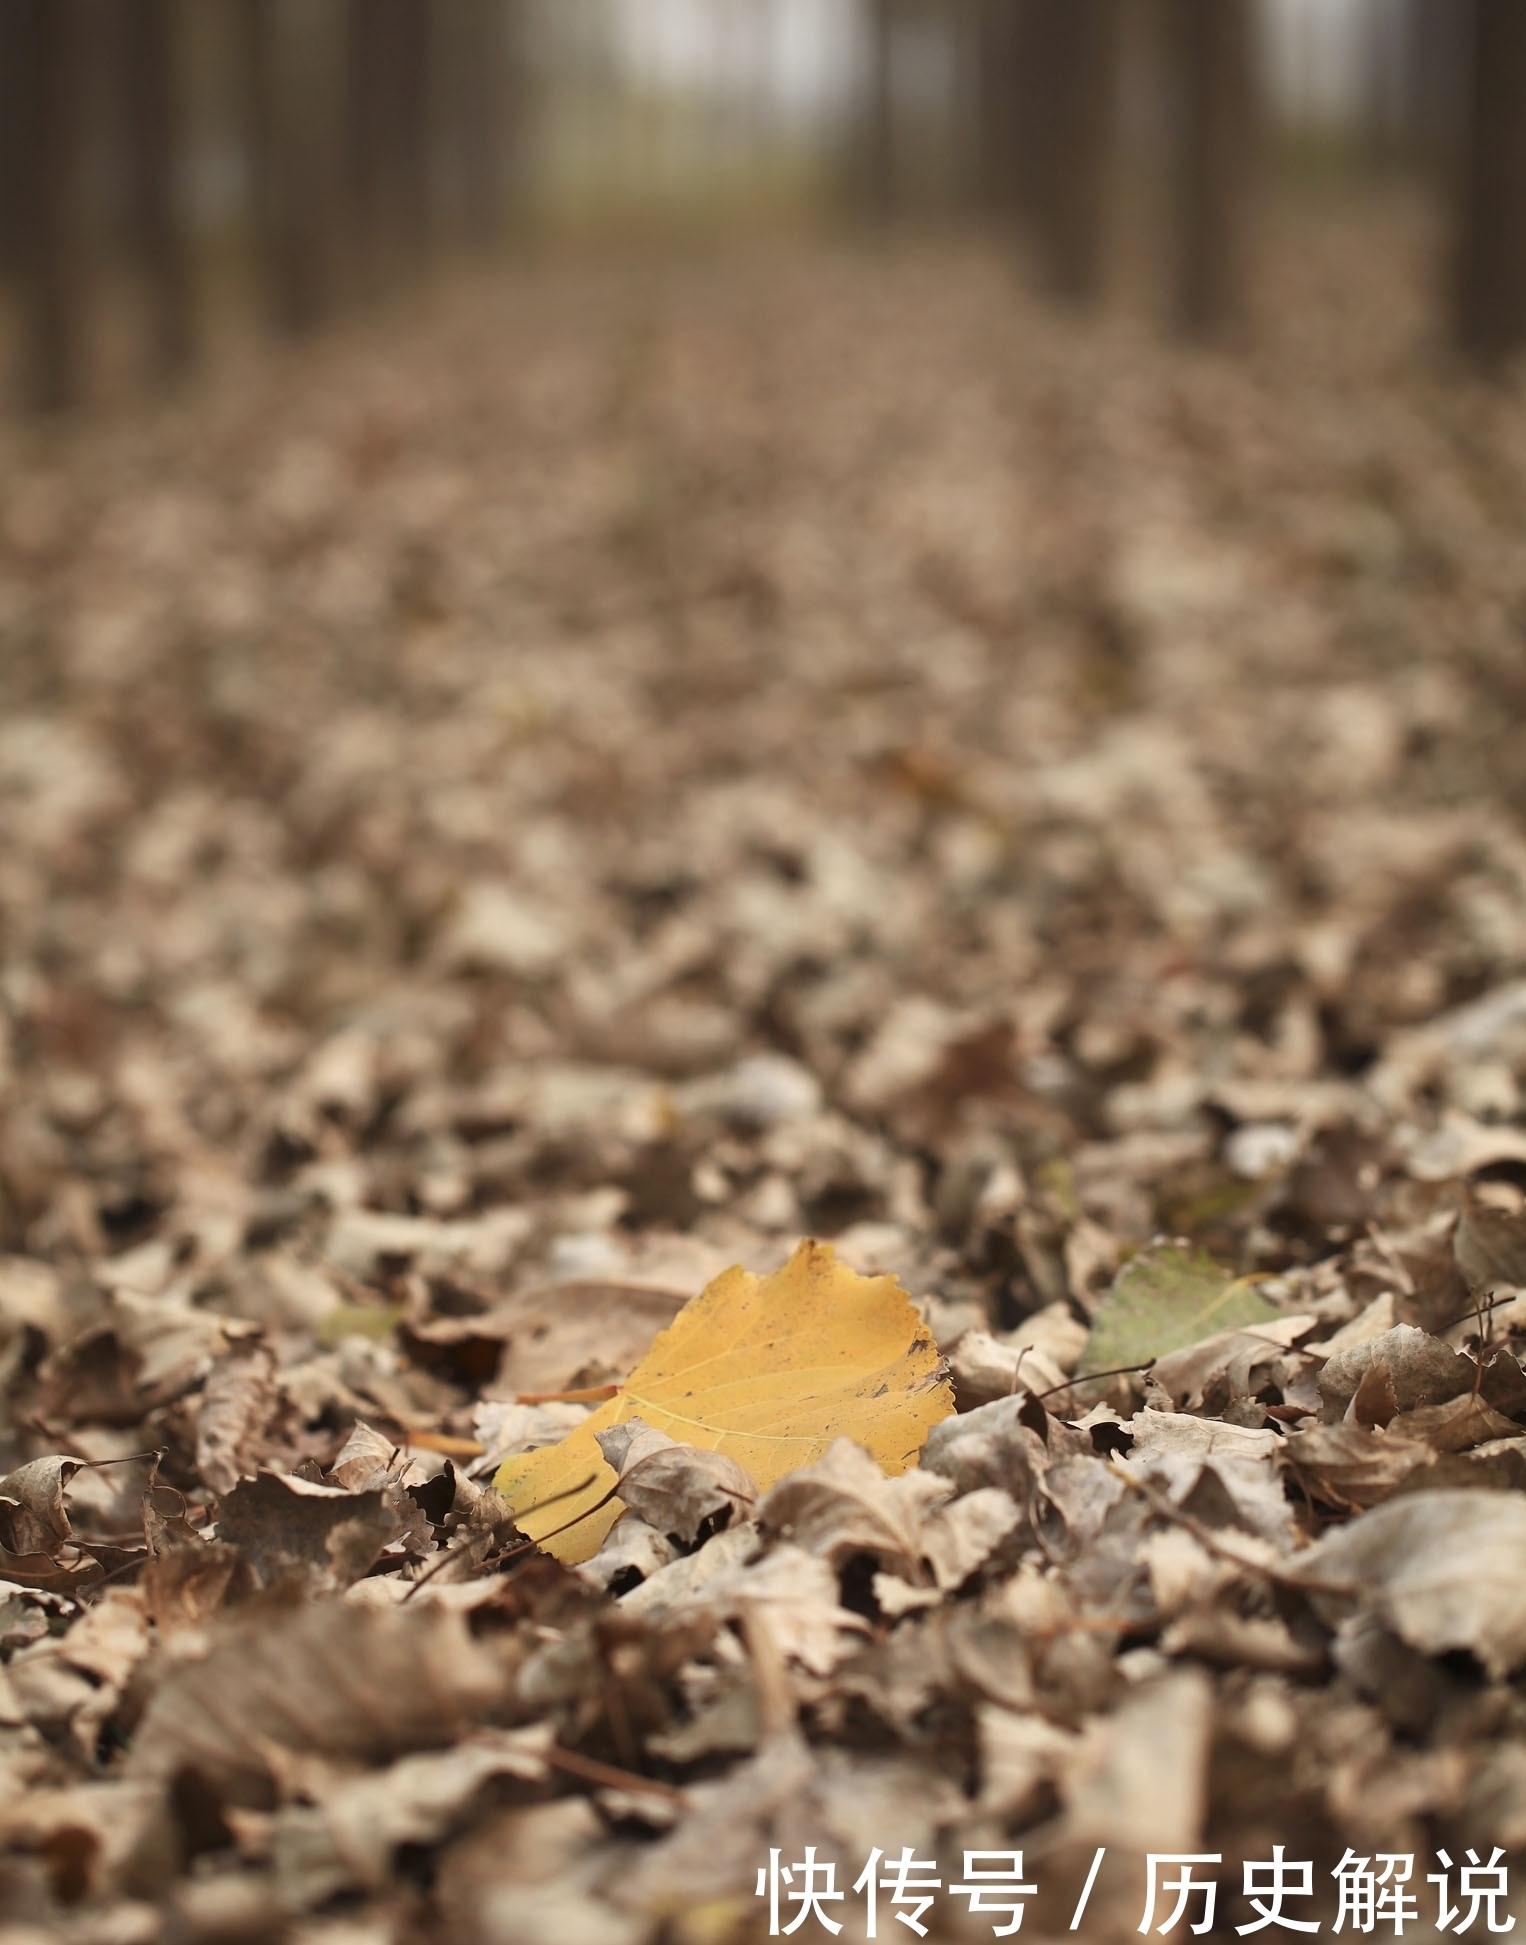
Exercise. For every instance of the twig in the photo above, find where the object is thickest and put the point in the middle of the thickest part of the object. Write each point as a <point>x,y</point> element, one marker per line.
<point>589,1394</point>
<point>1118,1371</point>
<point>607,1777</point>
<point>509,1553</point>
<point>1211,1543</point>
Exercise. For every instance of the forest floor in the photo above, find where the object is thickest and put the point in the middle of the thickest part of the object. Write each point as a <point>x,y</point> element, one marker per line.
<point>518,808</point>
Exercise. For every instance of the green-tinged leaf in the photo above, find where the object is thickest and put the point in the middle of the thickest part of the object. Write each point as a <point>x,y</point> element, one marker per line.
<point>374,1321</point>
<point>1163,1299</point>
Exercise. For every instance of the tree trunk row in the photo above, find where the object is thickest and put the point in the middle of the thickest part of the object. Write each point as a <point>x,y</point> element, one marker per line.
<point>1046,87</point>
<point>368,127</point>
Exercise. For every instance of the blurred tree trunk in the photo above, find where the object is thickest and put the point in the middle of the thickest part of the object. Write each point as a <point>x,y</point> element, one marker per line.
<point>366,160</point>
<point>288,207</point>
<point>1434,54</point>
<point>879,143</point>
<point>389,164</point>
<point>45,40</point>
<point>1070,49</point>
<point>471,57</point>
<point>1489,278</point>
<point>514,108</point>
<point>996,103</point>
<point>1212,55</point>
<point>412,126</point>
<point>1030,104</point>
<point>156,179</point>
<point>12,161</point>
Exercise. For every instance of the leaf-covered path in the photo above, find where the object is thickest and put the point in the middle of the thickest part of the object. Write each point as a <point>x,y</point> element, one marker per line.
<point>519,809</point>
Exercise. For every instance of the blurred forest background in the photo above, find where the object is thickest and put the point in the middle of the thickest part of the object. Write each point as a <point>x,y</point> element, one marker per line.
<point>170,169</point>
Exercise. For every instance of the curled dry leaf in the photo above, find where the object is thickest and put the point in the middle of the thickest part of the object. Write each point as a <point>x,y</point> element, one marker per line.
<point>632,1552</point>
<point>1352,1466</point>
<point>1422,1371</point>
<point>1000,1444</point>
<point>237,1401</point>
<point>1443,1570</point>
<point>36,1546</point>
<point>770,1370</point>
<point>1230,1366</point>
<point>33,1518</point>
<point>844,1505</point>
<point>1457,1426</point>
<point>683,1492</point>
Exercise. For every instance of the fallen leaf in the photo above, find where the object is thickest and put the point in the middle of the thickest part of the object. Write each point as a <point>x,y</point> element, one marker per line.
<point>1230,1366</point>
<point>73,1683</point>
<point>1443,1570</point>
<point>419,1798</point>
<point>186,1586</point>
<point>1490,1248</point>
<point>562,1336</point>
<point>95,1839</point>
<point>237,1401</point>
<point>1375,1401</point>
<point>984,1369</point>
<point>33,1518</point>
<point>994,1445</point>
<point>1158,1432</point>
<point>343,1682</point>
<point>796,1591</point>
<point>1422,1369</point>
<point>280,1523</point>
<point>1168,1298</point>
<point>1350,1465</point>
<point>1140,1779</point>
<point>1457,1426</point>
<point>771,1370</point>
<point>632,1552</point>
<point>682,1491</point>
<point>844,1506</point>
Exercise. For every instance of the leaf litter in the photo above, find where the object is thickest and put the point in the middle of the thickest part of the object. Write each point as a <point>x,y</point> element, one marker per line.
<point>911,1052</point>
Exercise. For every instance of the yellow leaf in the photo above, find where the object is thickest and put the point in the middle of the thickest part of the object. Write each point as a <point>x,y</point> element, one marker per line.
<point>768,1369</point>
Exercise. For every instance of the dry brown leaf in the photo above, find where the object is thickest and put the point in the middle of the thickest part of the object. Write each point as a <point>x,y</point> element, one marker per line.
<point>1350,1465</point>
<point>282,1523</point>
<point>683,1492</point>
<point>419,1798</point>
<point>1443,1570</point>
<point>237,1401</point>
<point>1422,1369</point>
<point>33,1518</point>
<point>1228,1366</point>
<point>1457,1426</point>
<point>186,1586</point>
<point>559,1336</point>
<point>845,1505</point>
<point>342,1682</point>
<point>770,1370</point>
